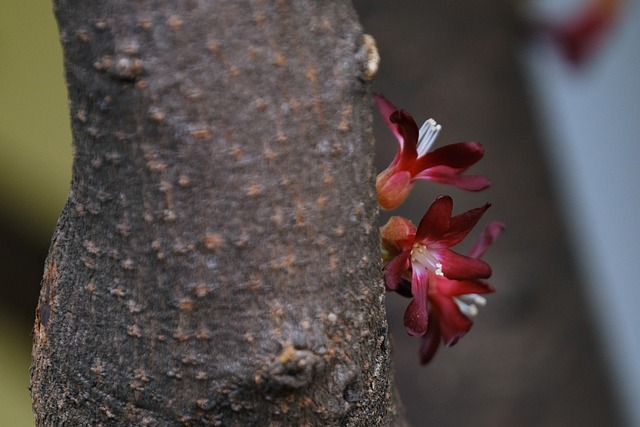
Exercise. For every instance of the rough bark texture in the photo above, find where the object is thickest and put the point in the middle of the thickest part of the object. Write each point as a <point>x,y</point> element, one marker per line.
<point>216,262</point>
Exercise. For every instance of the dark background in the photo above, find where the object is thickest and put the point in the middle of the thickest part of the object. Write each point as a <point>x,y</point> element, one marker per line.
<point>532,357</point>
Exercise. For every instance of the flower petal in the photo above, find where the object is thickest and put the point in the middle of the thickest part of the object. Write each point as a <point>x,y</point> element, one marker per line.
<point>408,130</point>
<point>461,224</point>
<point>415,316</point>
<point>386,108</point>
<point>453,324</point>
<point>579,36</point>
<point>430,341</point>
<point>402,125</point>
<point>460,267</point>
<point>486,239</point>
<point>458,156</point>
<point>415,319</point>
<point>454,288</point>
<point>394,270</point>
<point>451,176</point>
<point>435,222</point>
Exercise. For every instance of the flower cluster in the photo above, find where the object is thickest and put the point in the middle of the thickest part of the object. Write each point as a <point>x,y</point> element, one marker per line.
<point>445,286</point>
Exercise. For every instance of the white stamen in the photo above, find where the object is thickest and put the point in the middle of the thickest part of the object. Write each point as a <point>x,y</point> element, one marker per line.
<point>439,270</point>
<point>473,299</point>
<point>468,303</point>
<point>421,255</point>
<point>468,309</point>
<point>427,134</point>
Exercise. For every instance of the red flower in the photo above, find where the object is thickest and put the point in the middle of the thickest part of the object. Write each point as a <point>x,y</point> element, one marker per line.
<point>578,36</point>
<point>454,302</point>
<point>413,162</point>
<point>424,253</point>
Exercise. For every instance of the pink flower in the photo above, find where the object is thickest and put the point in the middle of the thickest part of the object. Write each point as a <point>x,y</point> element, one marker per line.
<point>454,302</point>
<point>416,256</point>
<point>413,161</point>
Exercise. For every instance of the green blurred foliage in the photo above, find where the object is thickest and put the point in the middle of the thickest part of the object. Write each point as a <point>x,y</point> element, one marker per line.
<point>35,166</point>
<point>35,148</point>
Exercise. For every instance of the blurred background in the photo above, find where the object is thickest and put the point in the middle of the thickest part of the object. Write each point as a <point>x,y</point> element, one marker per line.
<point>35,162</point>
<point>551,89</point>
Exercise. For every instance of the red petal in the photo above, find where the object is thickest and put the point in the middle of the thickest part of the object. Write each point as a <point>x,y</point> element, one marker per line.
<point>460,267</point>
<point>454,288</point>
<point>462,224</point>
<point>435,222</point>
<point>430,341</point>
<point>453,324</point>
<point>578,37</point>
<point>408,130</point>
<point>459,156</point>
<point>486,239</point>
<point>394,270</point>
<point>403,127</point>
<point>451,176</point>
<point>415,319</point>
<point>415,316</point>
<point>386,108</point>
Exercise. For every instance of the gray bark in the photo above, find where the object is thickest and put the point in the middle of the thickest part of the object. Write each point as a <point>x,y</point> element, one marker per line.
<point>217,260</point>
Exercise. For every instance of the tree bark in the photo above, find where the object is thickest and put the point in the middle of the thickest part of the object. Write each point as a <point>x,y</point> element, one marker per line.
<point>217,260</point>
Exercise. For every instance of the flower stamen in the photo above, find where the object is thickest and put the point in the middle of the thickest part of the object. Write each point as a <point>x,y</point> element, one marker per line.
<point>468,303</point>
<point>427,135</point>
<point>423,256</point>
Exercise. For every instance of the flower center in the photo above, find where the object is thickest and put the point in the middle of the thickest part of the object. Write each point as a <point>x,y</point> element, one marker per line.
<point>426,135</point>
<point>422,255</point>
<point>469,303</point>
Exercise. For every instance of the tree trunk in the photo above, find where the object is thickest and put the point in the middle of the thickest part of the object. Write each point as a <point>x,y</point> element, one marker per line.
<point>217,260</point>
